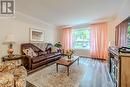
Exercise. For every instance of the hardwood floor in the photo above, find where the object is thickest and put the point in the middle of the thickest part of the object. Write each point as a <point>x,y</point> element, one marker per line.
<point>97,74</point>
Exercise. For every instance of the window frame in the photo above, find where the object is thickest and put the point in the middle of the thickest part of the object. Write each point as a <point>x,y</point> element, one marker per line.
<point>84,41</point>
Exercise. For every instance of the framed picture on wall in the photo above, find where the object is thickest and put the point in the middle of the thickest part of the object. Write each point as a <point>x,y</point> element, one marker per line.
<point>36,35</point>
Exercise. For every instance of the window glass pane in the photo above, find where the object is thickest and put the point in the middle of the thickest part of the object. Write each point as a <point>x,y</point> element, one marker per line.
<point>128,36</point>
<point>81,38</point>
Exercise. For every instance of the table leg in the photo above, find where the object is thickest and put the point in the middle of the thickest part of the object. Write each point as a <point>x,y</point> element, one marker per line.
<point>68,70</point>
<point>57,67</point>
<point>78,61</point>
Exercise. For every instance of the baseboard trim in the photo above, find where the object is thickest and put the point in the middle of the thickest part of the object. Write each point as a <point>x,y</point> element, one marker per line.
<point>93,58</point>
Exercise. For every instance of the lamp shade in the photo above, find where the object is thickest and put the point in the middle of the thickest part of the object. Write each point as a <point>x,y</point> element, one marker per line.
<point>9,39</point>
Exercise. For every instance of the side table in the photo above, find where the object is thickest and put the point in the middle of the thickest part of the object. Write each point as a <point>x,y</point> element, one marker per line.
<point>16,57</point>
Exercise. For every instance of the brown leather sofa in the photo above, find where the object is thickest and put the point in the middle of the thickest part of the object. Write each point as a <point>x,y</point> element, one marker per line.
<point>43,56</point>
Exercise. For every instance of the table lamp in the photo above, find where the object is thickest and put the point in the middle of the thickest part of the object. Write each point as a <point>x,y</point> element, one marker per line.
<point>10,40</point>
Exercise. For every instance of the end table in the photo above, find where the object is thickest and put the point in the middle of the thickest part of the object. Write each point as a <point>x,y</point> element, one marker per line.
<point>15,57</point>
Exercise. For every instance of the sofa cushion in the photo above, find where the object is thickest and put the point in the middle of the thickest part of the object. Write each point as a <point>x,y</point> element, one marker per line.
<point>35,65</point>
<point>39,58</point>
<point>20,72</point>
<point>42,53</point>
<point>56,53</point>
<point>44,57</point>
<point>52,54</point>
<point>6,79</point>
<point>40,63</point>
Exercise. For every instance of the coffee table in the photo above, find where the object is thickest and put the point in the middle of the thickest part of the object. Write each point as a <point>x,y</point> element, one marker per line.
<point>65,62</point>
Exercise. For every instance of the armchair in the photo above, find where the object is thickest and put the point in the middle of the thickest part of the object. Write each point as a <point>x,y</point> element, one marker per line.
<point>12,75</point>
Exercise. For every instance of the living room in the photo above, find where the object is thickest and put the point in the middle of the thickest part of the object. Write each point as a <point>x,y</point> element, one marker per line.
<point>46,21</point>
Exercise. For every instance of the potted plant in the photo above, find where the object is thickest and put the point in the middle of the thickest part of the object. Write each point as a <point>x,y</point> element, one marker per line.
<point>59,46</point>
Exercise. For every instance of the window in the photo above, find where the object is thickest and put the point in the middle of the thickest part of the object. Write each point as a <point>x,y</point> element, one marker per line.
<point>128,35</point>
<point>81,38</point>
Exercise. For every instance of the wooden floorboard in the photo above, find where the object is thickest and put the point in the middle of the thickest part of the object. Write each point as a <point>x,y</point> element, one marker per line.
<point>97,74</point>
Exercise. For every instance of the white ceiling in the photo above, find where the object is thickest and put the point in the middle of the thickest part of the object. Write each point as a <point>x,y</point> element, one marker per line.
<point>69,12</point>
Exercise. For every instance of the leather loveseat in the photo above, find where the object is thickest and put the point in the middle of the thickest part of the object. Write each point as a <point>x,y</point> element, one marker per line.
<point>43,56</point>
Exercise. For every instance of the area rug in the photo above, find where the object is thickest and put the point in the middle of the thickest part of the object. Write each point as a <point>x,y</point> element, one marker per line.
<point>87,73</point>
<point>28,84</point>
<point>48,77</point>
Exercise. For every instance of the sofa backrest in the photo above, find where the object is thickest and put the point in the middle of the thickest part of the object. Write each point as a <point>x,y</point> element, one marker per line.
<point>41,46</point>
<point>44,46</point>
<point>37,47</point>
<point>30,45</point>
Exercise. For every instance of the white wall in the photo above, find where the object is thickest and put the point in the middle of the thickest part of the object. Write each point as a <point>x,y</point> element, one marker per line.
<point>19,26</point>
<point>123,13</point>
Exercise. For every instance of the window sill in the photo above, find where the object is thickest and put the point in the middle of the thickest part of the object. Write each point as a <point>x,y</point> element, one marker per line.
<point>83,49</point>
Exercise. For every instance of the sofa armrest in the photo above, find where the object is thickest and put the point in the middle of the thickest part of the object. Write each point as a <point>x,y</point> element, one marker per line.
<point>20,74</point>
<point>27,62</point>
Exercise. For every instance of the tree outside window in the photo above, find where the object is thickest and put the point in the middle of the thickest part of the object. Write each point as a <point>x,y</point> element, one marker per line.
<point>81,38</point>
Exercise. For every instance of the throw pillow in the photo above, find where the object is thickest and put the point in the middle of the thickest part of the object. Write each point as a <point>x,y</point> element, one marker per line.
<point>54,49</point>
<point>30,52</point>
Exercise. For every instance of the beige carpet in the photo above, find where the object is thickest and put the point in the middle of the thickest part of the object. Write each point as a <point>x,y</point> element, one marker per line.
<point>48,77</point>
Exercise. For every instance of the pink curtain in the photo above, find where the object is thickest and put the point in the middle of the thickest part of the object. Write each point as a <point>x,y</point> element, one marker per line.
<point>99,41</point>
<point>121,34</point>
<point>67,38</point>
